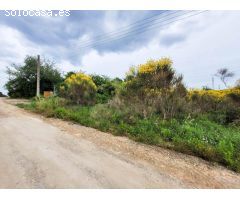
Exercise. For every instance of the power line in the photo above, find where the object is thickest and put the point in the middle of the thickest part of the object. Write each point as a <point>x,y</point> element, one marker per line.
<point>137,29</point>
<point>130,27</point>
<point>142,31</point>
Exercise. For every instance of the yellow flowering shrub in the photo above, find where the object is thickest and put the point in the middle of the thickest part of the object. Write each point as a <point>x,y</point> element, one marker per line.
<point>80,78</point>
<point>80,88</point>
<point>215,94</point>
<point>152,65</point>
<point>155,87</point>
<point>225,104</point>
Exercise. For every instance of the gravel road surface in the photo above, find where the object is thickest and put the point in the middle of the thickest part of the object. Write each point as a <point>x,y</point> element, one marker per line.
<point>37,152</point>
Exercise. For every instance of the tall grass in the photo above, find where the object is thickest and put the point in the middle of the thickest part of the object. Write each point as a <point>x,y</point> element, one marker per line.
<point>199,136</point>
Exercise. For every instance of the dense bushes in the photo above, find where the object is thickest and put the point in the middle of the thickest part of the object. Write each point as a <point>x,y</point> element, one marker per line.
<point>79,88</point>
<point>23,78</point>
<point>198,136</point>
<point>106,87</point>
<point>97,89</point>
<point>223,106</point>
<point>153,106</point>
<point>154,87</point>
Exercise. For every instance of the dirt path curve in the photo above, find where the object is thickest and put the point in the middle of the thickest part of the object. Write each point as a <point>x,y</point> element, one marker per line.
<point>36,152</point>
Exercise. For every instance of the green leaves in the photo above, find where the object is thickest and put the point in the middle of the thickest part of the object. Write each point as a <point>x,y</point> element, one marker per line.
<point>79,88</point>
<point>22,79</point>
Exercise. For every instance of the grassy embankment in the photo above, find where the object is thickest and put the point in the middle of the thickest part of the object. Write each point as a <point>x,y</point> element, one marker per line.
<point>198,136</point>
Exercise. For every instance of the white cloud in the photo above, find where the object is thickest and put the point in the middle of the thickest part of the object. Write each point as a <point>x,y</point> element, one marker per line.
<point>211,41</point>
<point>213,45</point>
<point>14,44</point>
<point>66,66</point>
<point>14,48</point>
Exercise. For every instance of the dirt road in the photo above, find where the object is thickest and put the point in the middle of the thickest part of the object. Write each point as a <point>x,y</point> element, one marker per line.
<point>36,152</point>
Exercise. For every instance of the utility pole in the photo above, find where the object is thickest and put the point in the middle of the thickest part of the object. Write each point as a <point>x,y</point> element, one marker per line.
<point>213,82</point>
<point>38,76</point>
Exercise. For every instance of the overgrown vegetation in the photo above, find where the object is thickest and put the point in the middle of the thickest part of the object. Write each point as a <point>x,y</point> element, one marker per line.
<point>106,87</point>
<point>79,88</point>
<point>198,136</point>
<point>154,88</point>
<point>153,106</point>
<point>22,78</point>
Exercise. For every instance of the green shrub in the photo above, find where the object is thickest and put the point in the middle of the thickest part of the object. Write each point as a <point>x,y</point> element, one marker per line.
<point>198,136</point>
<point>106,87</point>
<point>154,87</point>
<point>222,106</point>
<point>153,106</point>
<point>22,78</point>
<point>79,88</point>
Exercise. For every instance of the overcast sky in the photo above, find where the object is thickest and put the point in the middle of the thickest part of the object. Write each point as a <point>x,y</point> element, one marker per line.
<point>109,42</point>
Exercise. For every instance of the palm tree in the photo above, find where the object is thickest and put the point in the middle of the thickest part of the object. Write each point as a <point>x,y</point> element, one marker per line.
<point>223,74</point>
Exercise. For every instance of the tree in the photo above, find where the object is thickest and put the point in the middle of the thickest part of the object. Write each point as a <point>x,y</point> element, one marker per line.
<point>106,87</point>
<point>22,78</point>
<point>79,88</point>
<point>223,74</point>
